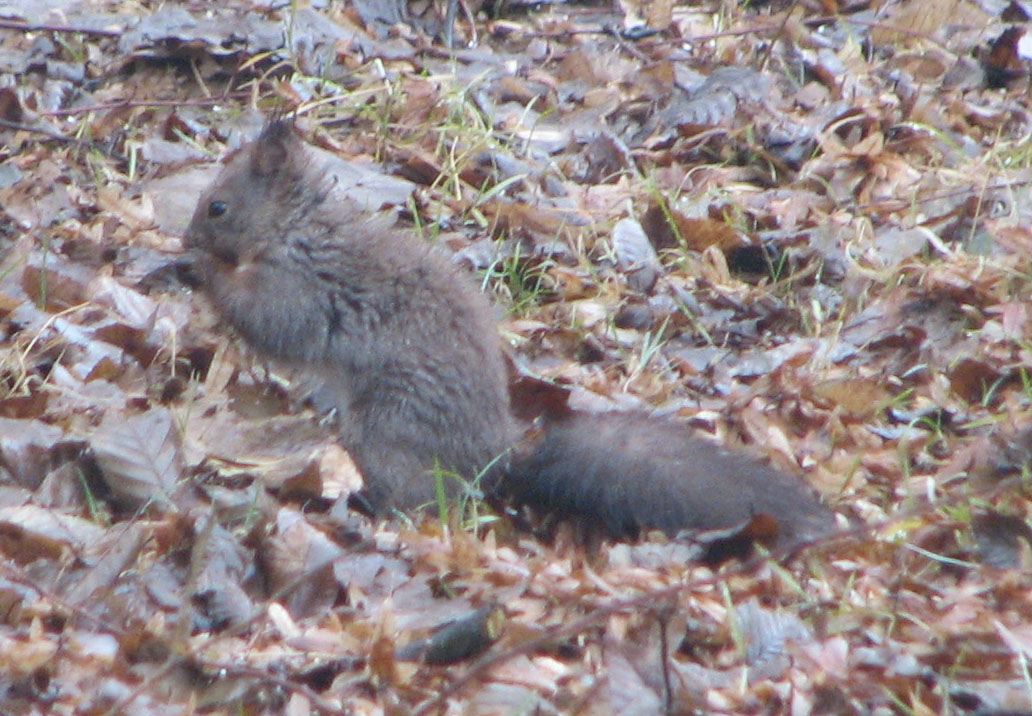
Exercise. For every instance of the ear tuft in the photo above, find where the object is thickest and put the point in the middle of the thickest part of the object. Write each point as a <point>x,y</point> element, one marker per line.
<point>277,148</point>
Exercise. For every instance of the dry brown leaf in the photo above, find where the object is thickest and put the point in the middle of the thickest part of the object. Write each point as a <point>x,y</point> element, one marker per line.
<point>26,450</point>
<point>299,559</point>
<point>140,457</point>
<point>859,397</point>
<point>28,532</point>
<point>924,20</point>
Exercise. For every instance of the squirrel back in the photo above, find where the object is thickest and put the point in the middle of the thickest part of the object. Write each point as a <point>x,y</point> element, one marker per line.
<point>406,348</point>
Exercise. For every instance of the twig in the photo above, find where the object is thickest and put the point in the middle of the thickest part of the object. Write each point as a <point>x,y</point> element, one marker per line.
<point>26,27</point>
<point>257,675</point>
<point>128,103</point>
<point>663,621</point>
<point>899,204</point>
<point>777,35</point>
<point>39,130</point>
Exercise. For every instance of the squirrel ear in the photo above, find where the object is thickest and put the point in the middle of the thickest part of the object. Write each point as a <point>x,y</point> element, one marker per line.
<point>275,149</point>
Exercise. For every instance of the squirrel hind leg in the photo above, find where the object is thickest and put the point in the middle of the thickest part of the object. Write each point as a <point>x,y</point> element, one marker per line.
<point>400,475</point>
<point>395,478</point>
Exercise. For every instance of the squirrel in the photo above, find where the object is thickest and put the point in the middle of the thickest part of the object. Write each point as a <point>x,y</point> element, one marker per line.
<point>406,348</point>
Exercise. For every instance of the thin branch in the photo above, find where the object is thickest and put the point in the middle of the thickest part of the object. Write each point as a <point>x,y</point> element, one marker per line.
<point>128,103</point>
<point>27,27</point>
<point>46,131</point>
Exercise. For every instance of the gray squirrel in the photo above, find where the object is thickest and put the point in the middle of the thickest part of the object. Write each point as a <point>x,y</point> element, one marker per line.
<point>406,348</point>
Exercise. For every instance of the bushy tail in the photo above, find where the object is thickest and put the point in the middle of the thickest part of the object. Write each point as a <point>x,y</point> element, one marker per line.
<point>622,474</point>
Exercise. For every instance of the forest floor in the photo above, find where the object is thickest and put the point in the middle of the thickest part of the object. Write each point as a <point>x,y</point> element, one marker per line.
<point>798,228</point>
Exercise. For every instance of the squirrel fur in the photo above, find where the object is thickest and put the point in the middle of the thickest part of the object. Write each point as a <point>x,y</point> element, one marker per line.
<point>405,347</point>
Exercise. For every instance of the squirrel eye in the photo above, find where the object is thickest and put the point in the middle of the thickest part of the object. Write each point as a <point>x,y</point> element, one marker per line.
<point>216,209</point>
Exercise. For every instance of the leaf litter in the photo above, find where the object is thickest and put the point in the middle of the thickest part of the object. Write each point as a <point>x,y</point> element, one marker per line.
<point>803,229</point>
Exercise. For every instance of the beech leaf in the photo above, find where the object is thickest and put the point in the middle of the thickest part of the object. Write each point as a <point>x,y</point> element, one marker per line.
<point>140,456</point>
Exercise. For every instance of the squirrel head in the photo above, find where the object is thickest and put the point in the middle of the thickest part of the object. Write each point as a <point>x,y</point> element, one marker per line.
<point>263,191</point>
